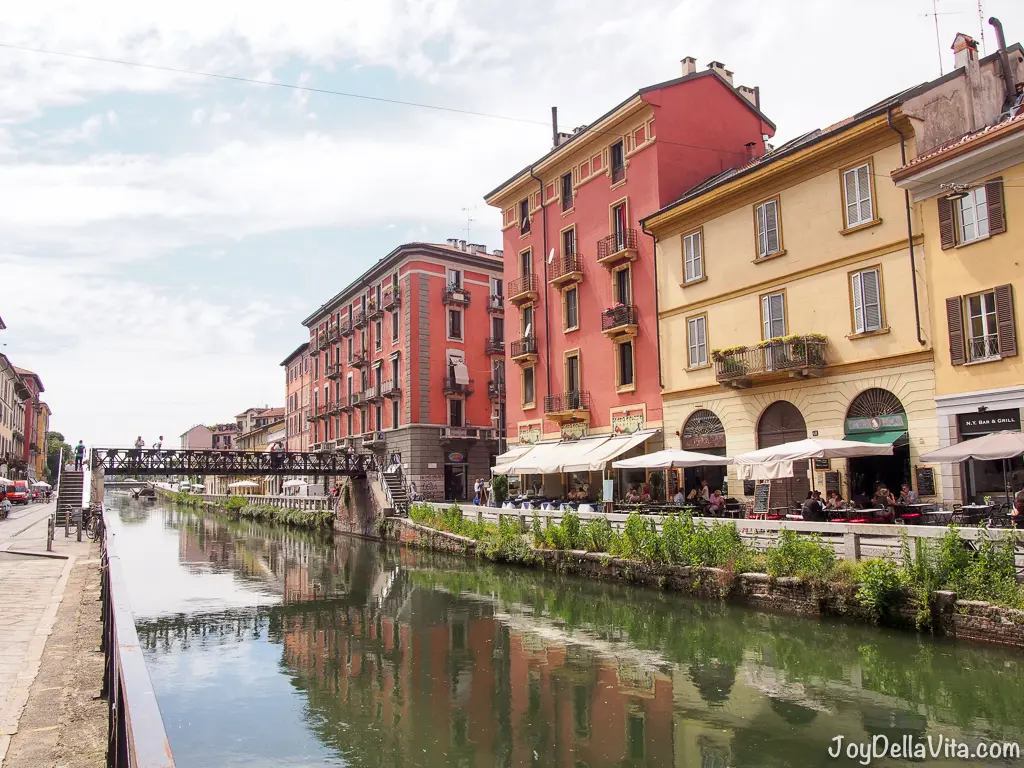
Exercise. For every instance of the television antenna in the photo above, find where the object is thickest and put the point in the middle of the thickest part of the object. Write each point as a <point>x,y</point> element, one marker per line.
<point>469,220</point>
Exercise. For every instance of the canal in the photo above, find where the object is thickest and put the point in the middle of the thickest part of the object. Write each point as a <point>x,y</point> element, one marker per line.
<point>275,647</point>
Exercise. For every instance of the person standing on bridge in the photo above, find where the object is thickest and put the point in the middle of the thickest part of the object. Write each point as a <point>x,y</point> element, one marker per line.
<point>159,443</point>
<point>79,456</point>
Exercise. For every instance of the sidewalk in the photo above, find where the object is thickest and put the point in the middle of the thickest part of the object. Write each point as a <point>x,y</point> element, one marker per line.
<point>49,631</point>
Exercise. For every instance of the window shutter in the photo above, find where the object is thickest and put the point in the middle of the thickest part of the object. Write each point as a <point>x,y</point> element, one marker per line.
<point>864,196</point>
<point>762,241</point>
<point>850,190</point>
<point>766,316</point>
<point>858,304</point>
<point>771,215</point>
<point>698,257</point>
<point>947,224</point>
<point>1006,324</point>
<point>872,300</point>
<point>996,210</point>
<point>955,322</point>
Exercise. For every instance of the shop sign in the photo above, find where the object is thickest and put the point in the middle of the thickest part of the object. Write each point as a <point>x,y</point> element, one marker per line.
<point>456,458</point>
<point>529,435</point>
<point>575,431</point>
<point>627,424</point>
<point>890,422</point>
<point>696,442</point>
<point>990,421</point>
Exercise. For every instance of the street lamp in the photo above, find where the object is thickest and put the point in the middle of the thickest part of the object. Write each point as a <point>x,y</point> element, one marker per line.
<point>956,191</point>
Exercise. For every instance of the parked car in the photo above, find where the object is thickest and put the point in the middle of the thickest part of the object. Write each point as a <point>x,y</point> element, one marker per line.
<point>19,493</point>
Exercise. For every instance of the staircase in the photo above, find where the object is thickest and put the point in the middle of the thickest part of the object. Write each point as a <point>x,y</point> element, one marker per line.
<point>396,490</point>
<point>69,496</point>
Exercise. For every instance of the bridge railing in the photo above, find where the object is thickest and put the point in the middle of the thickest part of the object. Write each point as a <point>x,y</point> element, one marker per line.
<point>144,461</point>
<point>314,503</point>
<point>136,737</point>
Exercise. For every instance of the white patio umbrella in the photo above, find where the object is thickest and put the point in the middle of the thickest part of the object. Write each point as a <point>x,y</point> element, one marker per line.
<point>5,481</point>
<point>996,446</point>
<point>777,461</point>
<point>293,483</point>
<point>41,484</point>
<point>244,484</point>
<point>672,459</point>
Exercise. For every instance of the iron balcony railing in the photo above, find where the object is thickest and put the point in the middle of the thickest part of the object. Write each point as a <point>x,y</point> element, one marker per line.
<point>391,299</point>
<point>623,240</point>
<point>523,285</point>
<point>332,370</point>
<point>522,347</point>
<point>456,294</point>
<point>565,267</point>
<point>345,327</point>
<point>796,354</point>
<point>567,401</point>
<point>360,357</point>
<point>451,386</point>
<point>495,303</point>
<point>496,389</point>
<point>983,347</point>
<point>332,333</point>
<point>619,316</point>
<point>618,173</point>
<point>359,319</point>
<point>373,311</point>
<point>494,346</point>
<point>389,388</point>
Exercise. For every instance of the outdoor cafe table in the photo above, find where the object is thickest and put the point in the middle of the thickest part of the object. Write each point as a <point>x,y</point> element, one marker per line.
<point>938,516</point>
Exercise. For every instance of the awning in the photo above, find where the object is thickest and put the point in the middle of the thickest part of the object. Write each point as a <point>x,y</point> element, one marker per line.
<point>513,453</point>
<point>596,458</point>
<point>552,457</point>
<point>879,438</point>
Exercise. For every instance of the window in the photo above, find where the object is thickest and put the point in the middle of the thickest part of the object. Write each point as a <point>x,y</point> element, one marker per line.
<point>528,386</point>
<point>617,153</point>
<point>768,240</point>
<point>526,263</point>
<point>570,300</point>
<point>567,192</point>
<point>773,315</point>
<point>394,280</point>
<point>866,287</point>
<point>498,329</point>
<point>524,217</point>
<point>497,287</point>
<point>572,373</point>
<point>350,348</point>
<point>394,413</point>
<point>455,412</point>
<point>860,208</point>
<point>379,416</point>
<point>623,290</point>
<point>378,335</point>
<point>625,365</point>
<point>316,369</point>
<point>526,321</point>
<point>455,278</point>
<point>454,324</point>
<point>394,326</point>
<point>619,225</point>
<point>348,431</point>
<point>693,257</point>
<point>973,216</point>
<point>569,243</point>
<point>697,340</point>
<point>982,329</point>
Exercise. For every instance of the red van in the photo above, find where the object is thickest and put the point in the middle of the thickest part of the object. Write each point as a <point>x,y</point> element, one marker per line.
<point>19,492</point>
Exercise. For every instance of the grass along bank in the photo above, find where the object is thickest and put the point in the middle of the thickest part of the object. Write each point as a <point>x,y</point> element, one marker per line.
<point>239,507</point>
<point>875,589</point>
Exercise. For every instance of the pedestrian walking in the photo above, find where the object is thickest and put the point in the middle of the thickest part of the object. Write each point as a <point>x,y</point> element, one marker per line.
<point>159,443</point>
<point>79,456</point>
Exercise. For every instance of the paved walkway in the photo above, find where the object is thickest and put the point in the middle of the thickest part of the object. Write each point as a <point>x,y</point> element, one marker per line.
<point>32,587</point>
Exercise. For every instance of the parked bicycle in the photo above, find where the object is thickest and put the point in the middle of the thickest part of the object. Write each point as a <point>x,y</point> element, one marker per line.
<point>94,523</point>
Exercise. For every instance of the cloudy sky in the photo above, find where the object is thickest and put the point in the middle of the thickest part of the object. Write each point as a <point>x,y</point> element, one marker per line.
<point>162,235</point>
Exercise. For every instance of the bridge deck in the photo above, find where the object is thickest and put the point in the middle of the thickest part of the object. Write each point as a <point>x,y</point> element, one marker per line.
<point>150,462</point>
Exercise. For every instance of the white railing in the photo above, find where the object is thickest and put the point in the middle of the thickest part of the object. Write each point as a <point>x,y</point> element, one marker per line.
<point>315,503</point>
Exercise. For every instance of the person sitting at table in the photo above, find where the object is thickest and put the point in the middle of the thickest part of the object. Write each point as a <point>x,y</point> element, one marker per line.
<point>645,494</point>
<point>717,501</point>
<point>679,498</point>
<point>834,500</point>
<point>812,509</point>
<point>907,496</point>
<point>632,497</point>
<point>1017,513</point>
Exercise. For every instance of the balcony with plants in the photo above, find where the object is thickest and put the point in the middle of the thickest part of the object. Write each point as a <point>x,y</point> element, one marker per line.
<point>391,299</point>
<point>455,295</point>
<point>799,356</point>
<point>620,321</point>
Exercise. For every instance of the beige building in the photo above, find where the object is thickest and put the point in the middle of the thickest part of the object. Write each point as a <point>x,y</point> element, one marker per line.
<point>13,394</point>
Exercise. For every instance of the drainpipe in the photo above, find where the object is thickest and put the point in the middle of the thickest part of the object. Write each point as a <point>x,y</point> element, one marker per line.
<point>1004,59</point>
<point>910,230</point>
<point>544,258</point>
<point>657,315</point>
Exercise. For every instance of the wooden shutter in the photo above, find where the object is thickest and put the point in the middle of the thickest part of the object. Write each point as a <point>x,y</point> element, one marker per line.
<point>1006,324</point>
<point>872,296</point>
<point>996,209</point>
<point>947,224</point>
<point>858,304</point>
<point>955,321</point>
<point>864,193</point>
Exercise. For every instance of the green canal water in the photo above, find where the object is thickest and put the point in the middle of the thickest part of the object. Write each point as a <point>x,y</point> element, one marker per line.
<point>275,647</point>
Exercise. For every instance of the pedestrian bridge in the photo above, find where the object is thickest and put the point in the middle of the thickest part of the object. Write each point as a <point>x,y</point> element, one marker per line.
<point>149,462</point>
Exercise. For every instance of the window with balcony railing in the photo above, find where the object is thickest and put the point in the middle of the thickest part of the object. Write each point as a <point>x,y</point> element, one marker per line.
<point>618,316</point>
<point>573,400</point>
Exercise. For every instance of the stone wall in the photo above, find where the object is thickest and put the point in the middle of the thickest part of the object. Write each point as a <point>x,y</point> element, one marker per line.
<point>360,517</point>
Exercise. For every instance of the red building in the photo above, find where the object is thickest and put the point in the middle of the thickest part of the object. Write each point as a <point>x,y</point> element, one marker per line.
<point>579,271</point>
<point>298,389</point>
<point>408,362</point>
<point>34,448</point>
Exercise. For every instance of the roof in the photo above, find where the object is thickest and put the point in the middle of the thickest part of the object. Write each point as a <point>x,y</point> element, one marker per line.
<point>965,143</point>
<point>30,374</point>
<point>815,136</point>
<point>272,413</point>
<point>647,89</point>
<point>3,326</point>
<point>299,350</point>
<point>195,426</point>
<point>482,260</point>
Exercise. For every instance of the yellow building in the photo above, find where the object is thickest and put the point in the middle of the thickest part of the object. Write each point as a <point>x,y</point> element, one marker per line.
<point>41,425</point>
<point>793,305</point>
<point>970,198</point>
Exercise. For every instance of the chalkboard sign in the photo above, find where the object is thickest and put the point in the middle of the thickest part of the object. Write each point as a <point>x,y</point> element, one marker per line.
<point>832,483</point>
<point>822,464</point>
<point>925,481</point>
<point>762,497</point>
<point>748,487</point>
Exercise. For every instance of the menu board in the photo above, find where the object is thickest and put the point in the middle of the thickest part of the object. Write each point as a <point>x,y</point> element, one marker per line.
<point>822,464</point>
<point>925,481</point>
<point>832,483</point>
<point>748,487</point>
<point>762,497</point>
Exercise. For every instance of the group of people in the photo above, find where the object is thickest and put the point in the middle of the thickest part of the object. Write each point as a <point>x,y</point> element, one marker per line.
<point>482,492</point>
<point>701,496</point>
<point>813,507</point>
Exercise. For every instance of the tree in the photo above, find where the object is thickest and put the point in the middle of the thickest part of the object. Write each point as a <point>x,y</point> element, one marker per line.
<point>54,443</point>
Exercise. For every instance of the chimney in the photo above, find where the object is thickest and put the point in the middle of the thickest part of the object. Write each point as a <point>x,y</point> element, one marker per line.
<point>719,67</point>
<point>452,242</point>
<point>751,148</point>
<point>554,127</point>
<point>562,138</point>
<point>753,95</point>
<point>965,50</point>
<point>1004,59</point>
<point>689,65</point>
<point>498,253</point>
<point>477,248</point>
<point>462,245</point>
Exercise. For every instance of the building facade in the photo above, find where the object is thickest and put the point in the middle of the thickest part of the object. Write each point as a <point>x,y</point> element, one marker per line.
<point>13,394</point>
<point>970,199</point>
<point>198,438</point>
<point>42,427</point>
<point>224,436</point>
<point>32,448</point>
<point>298,387</point>
<point>579,269</point>
<point>408,362</point>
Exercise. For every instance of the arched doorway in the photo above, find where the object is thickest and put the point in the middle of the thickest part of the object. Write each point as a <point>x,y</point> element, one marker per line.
<point>781,422</point>
<point>704,433</point>
<point>877,416</point>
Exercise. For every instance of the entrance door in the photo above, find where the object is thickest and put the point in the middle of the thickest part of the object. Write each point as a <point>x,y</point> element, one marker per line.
<point>781,423</point>
<point>456,482</point>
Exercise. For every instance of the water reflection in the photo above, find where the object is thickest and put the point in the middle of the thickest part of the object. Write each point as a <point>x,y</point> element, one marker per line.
<point>351,653</point>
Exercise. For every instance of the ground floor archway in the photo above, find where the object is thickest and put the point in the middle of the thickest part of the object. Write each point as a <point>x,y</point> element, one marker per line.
<point>781,422</point>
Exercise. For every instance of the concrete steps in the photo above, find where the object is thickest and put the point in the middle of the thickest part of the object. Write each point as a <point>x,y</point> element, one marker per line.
<point>398,493</point>
<point>69,498</point>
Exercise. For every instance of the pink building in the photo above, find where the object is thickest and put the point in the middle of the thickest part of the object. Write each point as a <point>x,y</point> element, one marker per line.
<point>298,388</point>
<point>580,272</point>
<point>408,362</point>
<point>33,449</point>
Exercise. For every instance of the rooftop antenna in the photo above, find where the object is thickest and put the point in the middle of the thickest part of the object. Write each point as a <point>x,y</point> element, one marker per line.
<point>981,23</point>
<point>469,221</point>
<point>938,43</point>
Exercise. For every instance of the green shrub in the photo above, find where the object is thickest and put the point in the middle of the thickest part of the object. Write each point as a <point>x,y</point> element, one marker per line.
<point>804,556</point>
<point>235,503</point>
<point>881,583</point>
<point>539,539</point>
<point>499,487</point>
<point>597,535</point>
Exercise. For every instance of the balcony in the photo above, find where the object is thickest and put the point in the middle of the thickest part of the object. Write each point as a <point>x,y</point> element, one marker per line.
<point>565,271</point>
<point>372,393</point>
<point>456,295</point>
<point>374,440</point>
<point>495,389</point>
<point>617,248</point>
<point>333,334</point>
<point>495,347</point>
<point>373,312</point>
<point>359,319</point>
<point>568,407</point>
<point>452,387</point>
<point>983,348</point>
<point>523,289</point>
<point>360,358</point>
<point>496,304</point>
<point>346,404</point>
<point>390,388</point>
<point>314,343</point>
<point>345,327</point>
<point>391,299</point>
<point>333,371</point>
<point>449,434</point>
<point>355,399</point>
<point>619,322</point>
<point>524,351</point>
<point>334,407</point>
<point>801,357</point>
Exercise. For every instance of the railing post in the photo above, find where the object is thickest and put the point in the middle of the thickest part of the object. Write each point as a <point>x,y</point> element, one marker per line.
<point>851,546</point>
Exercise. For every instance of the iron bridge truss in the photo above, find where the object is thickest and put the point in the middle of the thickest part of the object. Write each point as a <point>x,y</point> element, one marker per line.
<point>149,462</point>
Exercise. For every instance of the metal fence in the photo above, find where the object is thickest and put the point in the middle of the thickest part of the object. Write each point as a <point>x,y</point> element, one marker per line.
<point>136,737</point>
<point>315,503</point>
